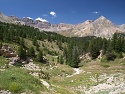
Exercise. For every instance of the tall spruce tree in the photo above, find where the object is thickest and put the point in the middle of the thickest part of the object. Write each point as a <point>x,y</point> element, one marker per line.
<point>40,56</point>
<point>61,61</point>
<point>21,52</point>
<point>1,45</point>
<point>31,52</point>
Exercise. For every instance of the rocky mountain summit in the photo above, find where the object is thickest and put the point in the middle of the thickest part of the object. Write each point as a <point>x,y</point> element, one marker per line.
<point>101,27</point>
<point>4,18</point>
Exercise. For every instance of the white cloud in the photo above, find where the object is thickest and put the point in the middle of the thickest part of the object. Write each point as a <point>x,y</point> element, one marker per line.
<point>28,18</point>
<point>53,13</point>
<point>41,19</point>
<point>95,12</point>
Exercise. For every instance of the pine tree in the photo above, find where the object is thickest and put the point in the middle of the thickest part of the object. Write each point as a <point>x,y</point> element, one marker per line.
<point>21,52</point>
<point>22,42</point>
<point>0,48</point>
<point>75,59</point>
<point>35,41</point>
<point>113,41</point>
<point>40,56</point>
<point>105,45</point>
<point>94,49</point>
<point>118,46</point>
<point>31,52</point>
<point>61,61</point>
<point>1,45</point>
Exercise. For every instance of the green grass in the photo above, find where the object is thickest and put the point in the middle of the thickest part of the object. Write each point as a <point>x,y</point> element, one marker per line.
<point>74,81</point>
<point>61,70</point>
<point>61,90</point>
<point>105,65</point>
<point>3,61</point>
<point>19,80</point>
<point>122,62</point>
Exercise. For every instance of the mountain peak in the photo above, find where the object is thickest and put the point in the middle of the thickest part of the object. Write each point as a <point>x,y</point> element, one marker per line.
<point>102,17</point>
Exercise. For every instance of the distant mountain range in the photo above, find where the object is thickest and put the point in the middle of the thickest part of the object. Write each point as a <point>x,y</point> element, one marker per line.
<point>101,27</point>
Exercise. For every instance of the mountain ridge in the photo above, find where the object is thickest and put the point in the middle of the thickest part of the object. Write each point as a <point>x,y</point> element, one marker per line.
<point>101,27</point>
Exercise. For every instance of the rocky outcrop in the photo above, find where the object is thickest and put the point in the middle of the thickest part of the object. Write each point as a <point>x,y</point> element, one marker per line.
<point>86,57</point>
<point>101,27</point>
<point>59,27</point>
<point>122,27</point>
<point>6,19</point>
<point>8,52</point>
<point>41,25</point>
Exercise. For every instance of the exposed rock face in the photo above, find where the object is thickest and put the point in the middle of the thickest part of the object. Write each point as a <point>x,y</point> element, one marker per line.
<point>101,27</point>
<point>27,21</point>
<point>59,27</point>
<point>7,51</point>
<point>4,18</point>
<point>82,29</point>
<point>122,27</point>
<point>41,25</point>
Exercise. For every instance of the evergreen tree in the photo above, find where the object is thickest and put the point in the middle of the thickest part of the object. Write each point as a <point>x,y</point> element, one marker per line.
<point>118,46</point>
<point>35,41</point>
<point>94,49</point>
<point>40,56</point>
<point>61,61</point>
<point>105,45</point>
<point>31,52</point>
<point>75,59</point>
<point>1,45</point>
<point>0,48</point>
<point>114,40</point>
<point>21,52</point>
<point>22,42</point>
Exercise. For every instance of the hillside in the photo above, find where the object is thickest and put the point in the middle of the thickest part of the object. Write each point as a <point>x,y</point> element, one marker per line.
<point>48,63</point>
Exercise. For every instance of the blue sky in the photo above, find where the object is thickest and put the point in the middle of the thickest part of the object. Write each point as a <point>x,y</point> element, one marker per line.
<point>66,11</point>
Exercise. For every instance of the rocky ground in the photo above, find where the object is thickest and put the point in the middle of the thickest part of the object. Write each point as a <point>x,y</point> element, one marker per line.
<point>108,84</point>
<point>105,82</point>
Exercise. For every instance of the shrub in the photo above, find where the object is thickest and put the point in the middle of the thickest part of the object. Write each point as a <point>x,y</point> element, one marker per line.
<point>44,75</point>
<point>119,55</point>
<point>105,65</point>
<point>14,87</point>
<point>110,56</point>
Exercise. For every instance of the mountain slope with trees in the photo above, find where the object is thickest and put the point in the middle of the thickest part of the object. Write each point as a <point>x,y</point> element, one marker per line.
<point>70,49</point>
<point>59,54</point>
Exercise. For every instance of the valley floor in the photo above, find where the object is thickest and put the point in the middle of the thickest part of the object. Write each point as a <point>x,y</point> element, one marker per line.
<point>94,77</point>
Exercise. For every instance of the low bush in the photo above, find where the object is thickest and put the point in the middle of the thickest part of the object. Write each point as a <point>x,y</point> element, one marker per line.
<point>14,87</point>
<point>105,65</point>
